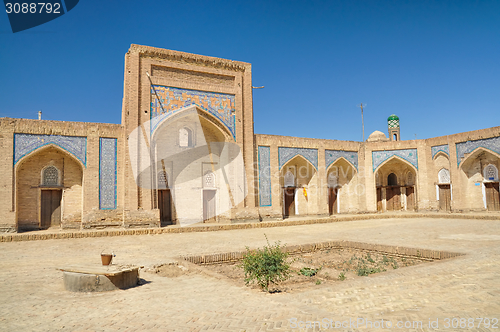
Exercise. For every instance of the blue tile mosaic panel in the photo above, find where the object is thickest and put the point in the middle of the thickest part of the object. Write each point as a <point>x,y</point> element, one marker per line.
<point>107,173</point>
<point>264,155</point>
<point>26,143</point>
<point>332,155</point>
<point>443,148</point>
<point>492,144</point>
<point>410,155</point>
<point>221,105</point>
<point>285,154</point>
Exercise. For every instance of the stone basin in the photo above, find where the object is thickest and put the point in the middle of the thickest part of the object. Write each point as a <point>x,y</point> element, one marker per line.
<point>98,278</point>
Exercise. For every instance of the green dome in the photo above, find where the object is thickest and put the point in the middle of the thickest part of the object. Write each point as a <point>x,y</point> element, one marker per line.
<point>393,117</point>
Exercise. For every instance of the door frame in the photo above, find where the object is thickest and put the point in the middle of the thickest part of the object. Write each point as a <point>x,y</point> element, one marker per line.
<point>493,183</point>
<point>215,217</point>
<point>335,208</point>
<point>294,202</point>
<point>439,195</point>
<point>160,204</point>
<point>61,204</point>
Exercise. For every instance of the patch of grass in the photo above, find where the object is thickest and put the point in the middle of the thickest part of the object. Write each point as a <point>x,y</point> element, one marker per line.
<point>342,276</point>
<point>308,272</point>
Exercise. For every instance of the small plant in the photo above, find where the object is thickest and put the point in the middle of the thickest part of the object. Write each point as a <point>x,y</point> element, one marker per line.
<point>342,276</point>
<point>308,272</point>
<point>369,258</point>
<point>318,282</point>
<point>266,266</point>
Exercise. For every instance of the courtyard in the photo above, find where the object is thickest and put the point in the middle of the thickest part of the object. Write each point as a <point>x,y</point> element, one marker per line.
<point>466,287</point>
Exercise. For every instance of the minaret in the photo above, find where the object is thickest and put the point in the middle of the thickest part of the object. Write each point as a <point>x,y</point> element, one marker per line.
<point>393,124</point>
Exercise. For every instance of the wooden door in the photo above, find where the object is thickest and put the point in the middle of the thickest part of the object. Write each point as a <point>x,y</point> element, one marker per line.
<point>332,200</point>
<point>393,198</point>
<point>164,203</point>
<point>444,197</point>
<point>410,198</point>
<point>396,197</point>
<point>379,199</point>
<point>389,201</point>
<point>50,208</point>
<point>492,196</point>
<point>289,193</point>
<point>209,211</point>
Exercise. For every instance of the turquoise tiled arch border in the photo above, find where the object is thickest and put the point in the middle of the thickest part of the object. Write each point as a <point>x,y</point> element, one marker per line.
<point>410,155</point>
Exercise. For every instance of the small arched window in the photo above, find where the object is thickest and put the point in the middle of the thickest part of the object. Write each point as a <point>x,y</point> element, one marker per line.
<point>289,179</point>
<point>392,180</point>
<point>490,173</point>
<point>185,137</point>
<point>332,180</point>
<point>162,180</point>
<point>209,180</point>
<point>444,176</point>
<point>410,179</point>
<point>50,176</point>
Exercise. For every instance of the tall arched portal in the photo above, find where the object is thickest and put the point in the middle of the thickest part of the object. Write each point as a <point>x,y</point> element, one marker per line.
<point>342,194</point>
<point>194,150</point>
<point>480,176</point>
<point>396,185</point>
<point>298,181</point>
<point>48,189</point>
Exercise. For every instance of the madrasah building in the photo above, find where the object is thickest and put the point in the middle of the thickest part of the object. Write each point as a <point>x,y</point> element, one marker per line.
<point>185,153</point>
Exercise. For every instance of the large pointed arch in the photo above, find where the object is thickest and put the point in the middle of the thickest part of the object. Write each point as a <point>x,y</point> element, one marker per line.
<point>46,147</point>
<point>441,153</point>
<point>401,195</point>
<point>337,160</point>
<point>35,201</point>
<point>406,162</point>
<point>163,120</point>
<point>300,198</point>
<point>298,156</point>
<point>476,153</point>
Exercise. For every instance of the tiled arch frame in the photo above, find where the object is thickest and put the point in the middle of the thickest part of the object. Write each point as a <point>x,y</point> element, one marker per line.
<point>285,154</point>
<point>408,155</point>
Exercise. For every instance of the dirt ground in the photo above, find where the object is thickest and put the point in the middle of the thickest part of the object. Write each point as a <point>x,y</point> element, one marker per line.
<point>307,269</point>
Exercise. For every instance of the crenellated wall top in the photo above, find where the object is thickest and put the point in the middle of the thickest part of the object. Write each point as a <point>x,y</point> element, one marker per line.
<point>189,58</point>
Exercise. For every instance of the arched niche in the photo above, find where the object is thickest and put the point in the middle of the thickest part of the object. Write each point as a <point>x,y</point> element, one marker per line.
<point>342,190</point>
<point>197,152</point>
<point>478,192</point>
<point>302,197</point>
<point>397,185</point>
<point>49,189</point>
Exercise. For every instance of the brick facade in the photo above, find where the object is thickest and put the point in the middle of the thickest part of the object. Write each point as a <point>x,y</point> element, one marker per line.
<point>100,185</point>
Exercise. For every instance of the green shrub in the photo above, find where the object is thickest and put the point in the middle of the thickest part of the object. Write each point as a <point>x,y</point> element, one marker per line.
<point>266,266</point>
<point>308,272</point>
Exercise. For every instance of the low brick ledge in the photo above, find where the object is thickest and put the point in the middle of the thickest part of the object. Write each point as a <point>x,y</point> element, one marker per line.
<point>62,234</point>
<point>424,254</point>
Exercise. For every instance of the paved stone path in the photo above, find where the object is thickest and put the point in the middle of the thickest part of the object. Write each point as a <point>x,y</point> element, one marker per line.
<point>32,296</point>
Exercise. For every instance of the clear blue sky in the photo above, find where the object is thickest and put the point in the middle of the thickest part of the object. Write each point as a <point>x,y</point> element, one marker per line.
<point>436,64</point>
